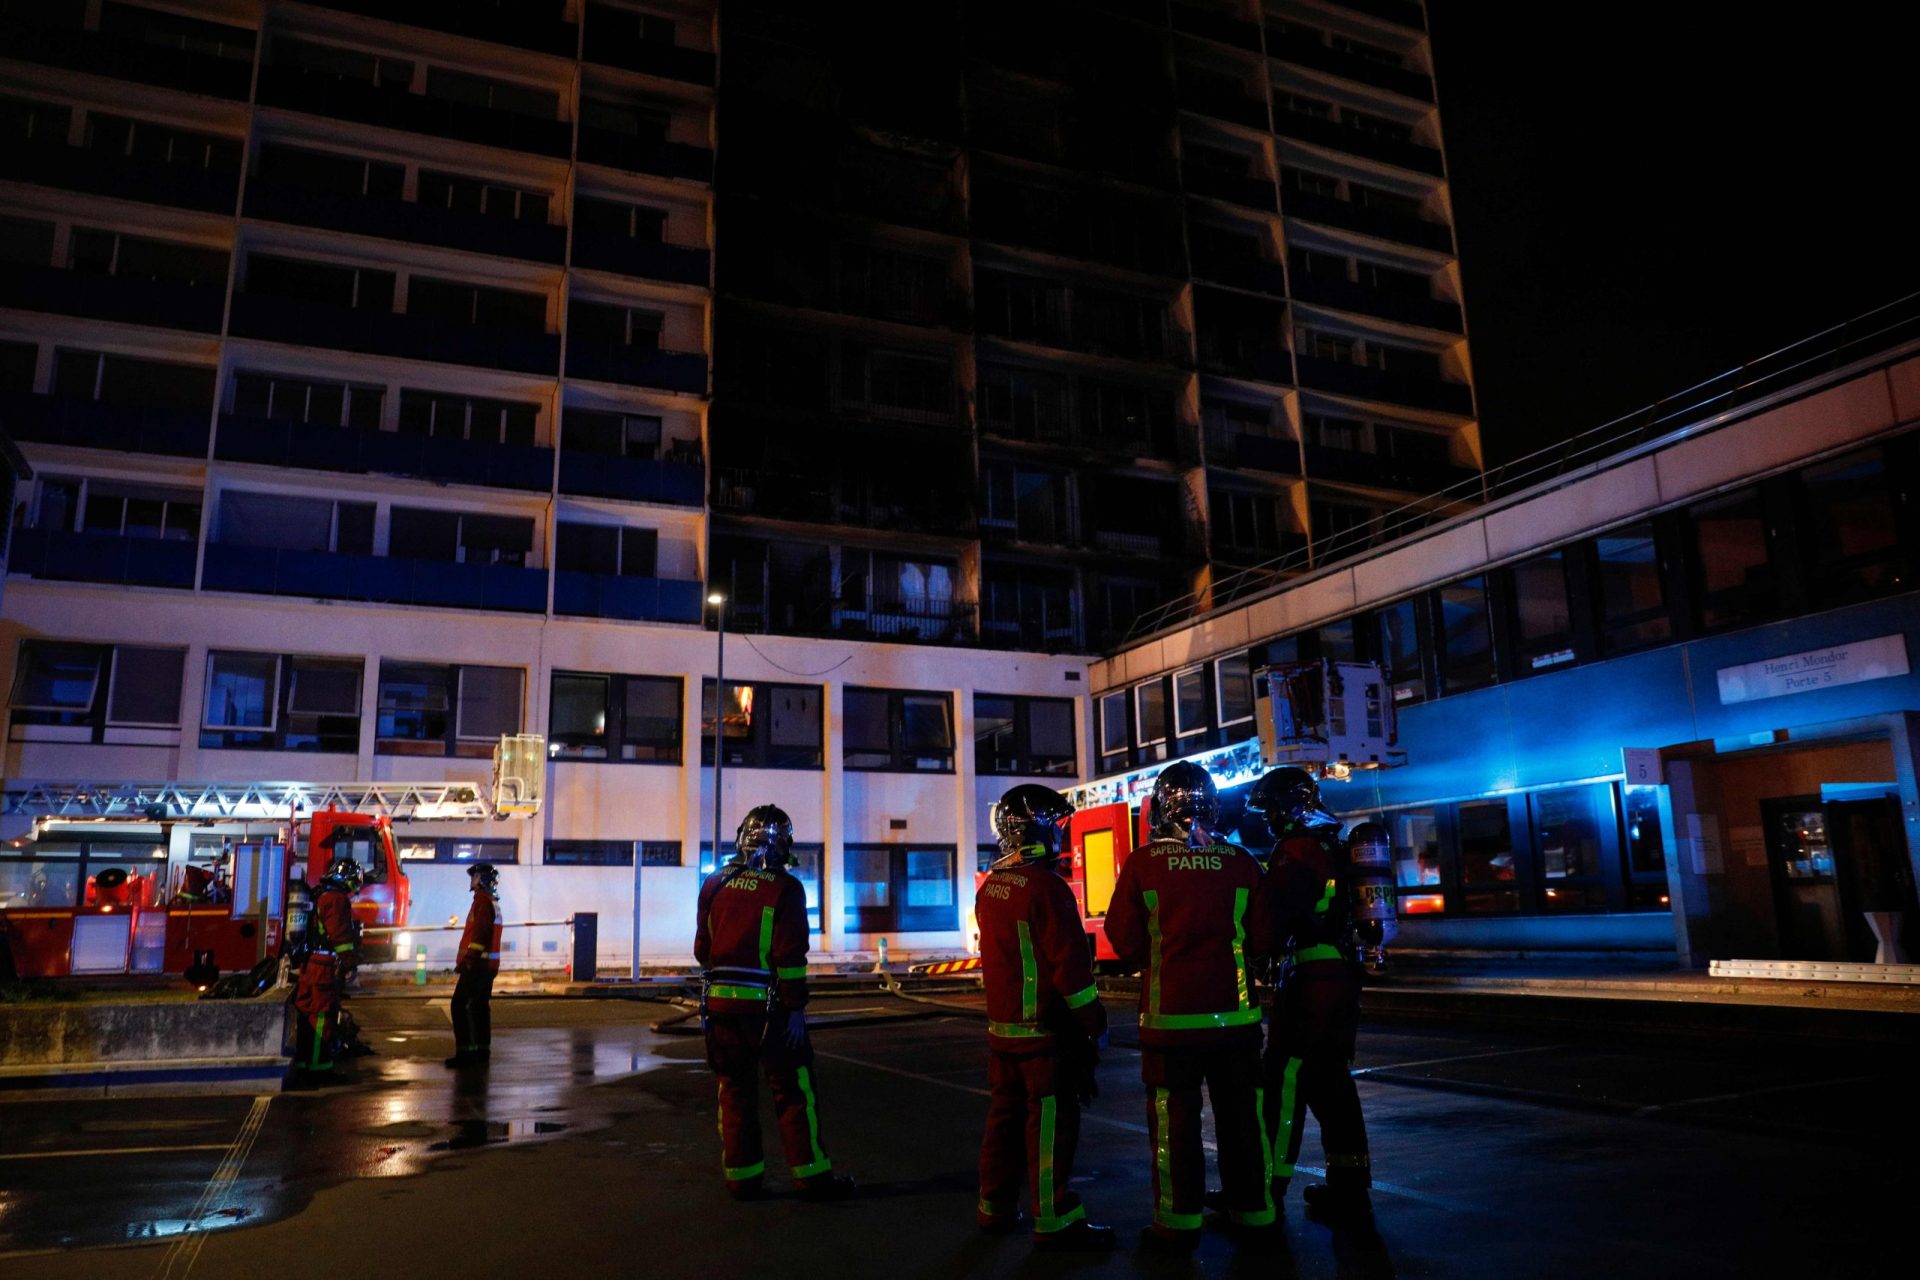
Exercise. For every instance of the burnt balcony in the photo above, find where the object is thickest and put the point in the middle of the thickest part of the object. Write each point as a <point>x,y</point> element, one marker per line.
<point>683,371</point>
<point>843,500</point>
<point>1307,51</point>
<point>307,323</point>
<point>1127,542</point>
<point>402,220</point>
<point>1255,274</point>
<point>675,480</point>
<point>612,47</point>
<point>114,298</point>
<point>643,259</point>
<point>929,621</point>
<point>530,24</point>
<point>1083,331</point>
<point>1205,21</point>
<point>98,424</point>
<point>1260,357</point>
<point>604,595</point>
<point>1374,384</point>
<point>1410,475</point>
<point>328,575</point>
<point>122,58</point>
<point>1240,189</point>
<point>295,89</point>
<point>1407,308</point>
<point>316,447</point>
<point>1222,103</point>
<point>1396,11</point>
<point>1035,634</point>
<point>1358,142</point>
<point>104,173</point>
<point>1168,439</point>
<point>57,555</point>
<point>645,155</point>
<point>1373,222</point>
<point>1245,451</point>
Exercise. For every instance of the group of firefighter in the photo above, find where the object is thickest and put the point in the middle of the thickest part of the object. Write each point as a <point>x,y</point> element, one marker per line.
<point>1198,916</point>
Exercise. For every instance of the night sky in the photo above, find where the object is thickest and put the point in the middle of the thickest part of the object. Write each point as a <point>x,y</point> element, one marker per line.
<point>1647,194</point>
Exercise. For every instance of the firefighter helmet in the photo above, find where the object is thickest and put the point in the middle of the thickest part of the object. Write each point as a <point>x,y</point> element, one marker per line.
<point>346,873</point>
<point>1289,795</point>
<point>1030,822</point>
<point>1184,800</point>
<point>765,838</point>
<point>482,875</point>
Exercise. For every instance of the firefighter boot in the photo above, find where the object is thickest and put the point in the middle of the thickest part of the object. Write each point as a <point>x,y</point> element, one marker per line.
<point>1079,1237</point>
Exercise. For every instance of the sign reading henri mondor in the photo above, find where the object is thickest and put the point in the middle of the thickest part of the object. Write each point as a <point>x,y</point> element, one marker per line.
<point>1817,669</point>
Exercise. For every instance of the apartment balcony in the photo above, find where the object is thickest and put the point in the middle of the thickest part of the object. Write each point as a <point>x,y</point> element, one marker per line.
<point>56,555</point>
<point>642,259</point>
<point>645,155</point>
<point>1031,532</point>
<point>1122,542</point>
<point>402,220</point>
<point>813,499</point>
<point>599,475</point>
<point>1307,51</point>
<point>1232,553</point>
<point>1035,635</point>
<point>524,26</point>
<point>603,595</point>
<point>1373,384</point>
<point>1251,192</point>
<point>114,298</point>
<point>1169,441</point>
<point>1406,308</point>
<point>318,324</point>
<point>1225,104</point>
<point>103,173</point>
<point>682,371</point>
<point>930,621</point>
<point>1266,361</point>
<point>314,447</point>
<point>1244,451</point>
<point>1396,11</point>
<point>122,58</point>
<point>649,57</point>
<point>1339,137</point>
<point>296,90</point>
<point>1371,222</point>
<point>1410,475</point>
<point>1255,274</point>
<point>96,424</point>
<point>326,575</point>
<point>1165,345</point>
<point>1202,20</point>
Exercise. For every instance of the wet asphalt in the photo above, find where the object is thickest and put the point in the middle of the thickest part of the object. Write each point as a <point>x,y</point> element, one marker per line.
<point>588,1146</point>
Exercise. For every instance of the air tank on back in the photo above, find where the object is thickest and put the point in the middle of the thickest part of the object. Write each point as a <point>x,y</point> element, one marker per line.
<point>1376,915</point>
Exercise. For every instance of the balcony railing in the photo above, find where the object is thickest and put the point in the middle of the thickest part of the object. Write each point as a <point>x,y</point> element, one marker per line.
<point>928,621</point>
<point>329,575</point>
<point>522,26</point>
<point>843,501</point>
<point>1119,542</point>
<point>1339,137</point>
<point>1345,295</point>
<point>121,58</point>
<point>1239,449</point>
<point>599,475</point>
<point>96,424</point>
<point>1374,384</point>
<point>402,220</point>
<point>1241,189</point>
<point>645,259</point>
<point>1037,635</point>
<point>57,555</point>
<point>645,155</point>
<point>1167,440</point>
<point>1078,331</point>
<point>649,57</point>
<point>603,595</point>
<point>1410,475</point>
<point>638,367</point>
<point>1262,362</point>
<point>796,607</point>
<point>316,447</point>
<point>116,298</point>
<point>318,324</point>
<point>1373,222</point>
<point>298,90</point>
<point>1308,51</point>
<point>104,173</point>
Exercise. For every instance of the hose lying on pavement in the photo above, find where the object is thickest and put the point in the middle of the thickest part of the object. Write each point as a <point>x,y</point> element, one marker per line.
<point>891,985</point>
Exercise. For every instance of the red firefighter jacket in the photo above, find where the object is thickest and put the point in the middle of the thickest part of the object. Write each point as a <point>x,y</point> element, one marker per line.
<point>333,928</point>
<point>480,940</point>
<point>1191,916</point>
<point>1034,958</point>
<point>1307,896</point>
<point>752,935</point>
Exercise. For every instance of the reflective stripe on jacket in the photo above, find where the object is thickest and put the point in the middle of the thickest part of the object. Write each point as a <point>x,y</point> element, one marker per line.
<point>480,940</point>
<point>752,935</point>
<point>1034,959</point>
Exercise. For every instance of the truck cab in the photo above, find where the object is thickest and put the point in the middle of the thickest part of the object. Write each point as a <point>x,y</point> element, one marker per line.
<point>368,840</point>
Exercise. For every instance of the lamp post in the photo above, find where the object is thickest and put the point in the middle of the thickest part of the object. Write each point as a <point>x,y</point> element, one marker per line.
<point>719,603</point>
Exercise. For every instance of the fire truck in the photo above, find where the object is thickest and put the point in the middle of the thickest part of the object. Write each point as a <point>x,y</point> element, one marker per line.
<point>176,914</point>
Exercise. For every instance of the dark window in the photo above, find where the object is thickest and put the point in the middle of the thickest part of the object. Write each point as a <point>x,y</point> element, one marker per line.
<point>479,196</point>
<point>330,172</point>
<point>456,849</point>
<point>1233,678</point>
<point>454,302</point>
<point>127,257</point>
<point>360,288</point>
<point>1852,527</point>
<point>265,701</point>
<point>294,399</point>
<point>767,726</point>
<point>495,95</point>
<point>171,31</point>
<point>1542,622</point>
<point>1191,714</point>
<point>604,325</point>
<point>898,730</point>
<point>462,537</point>
<point>1150,705</point>
<point>1633,606</point>
<point>661,853</point>
<point>1733,572</point>
<point>591,853</point>
<point>24,120</point>
<point>1572,830</point>
<point>613,550</point>
<point>615,717</point>
<point>448,415</point>
<point>56,682</point>
<point>433,709</point>
<point>124,510</point>
<point>18,364</point>
<point>1417,865</point>
<point>1489,878</point>
<point>1031,736</point>
<point>1397,649</point>
<point>618,435</point>
<point>1466,637</point>
<point>287,523</point>
<point>1116,715</point>
<point>900,888</point>
<point>1646,850</point>
<point>145,687</point>
<point>593,215</point>
<point>160,143</point>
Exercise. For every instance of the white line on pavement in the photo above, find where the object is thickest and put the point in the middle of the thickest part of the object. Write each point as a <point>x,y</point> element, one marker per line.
<point>1795,1087</point>
<point>1460,1057</point>
<point>113,1151</point>
<point>185,1250</point>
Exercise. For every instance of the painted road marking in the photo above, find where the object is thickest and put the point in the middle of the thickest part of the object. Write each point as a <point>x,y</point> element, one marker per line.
<point>180,1256</point>
<point>1460,1057</point>
<point>1795,1087</point>
<point>113,1151</point>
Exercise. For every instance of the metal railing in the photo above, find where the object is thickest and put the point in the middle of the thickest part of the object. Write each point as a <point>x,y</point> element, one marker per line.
<point>1831,349</point>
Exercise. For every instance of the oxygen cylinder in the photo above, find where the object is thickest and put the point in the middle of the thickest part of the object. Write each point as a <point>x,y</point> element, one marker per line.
<point>1376,915</point>
<point>299,910</point>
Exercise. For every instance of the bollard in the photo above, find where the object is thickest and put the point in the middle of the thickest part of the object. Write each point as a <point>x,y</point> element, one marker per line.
<point>880,965</point>
<point>420,967</point>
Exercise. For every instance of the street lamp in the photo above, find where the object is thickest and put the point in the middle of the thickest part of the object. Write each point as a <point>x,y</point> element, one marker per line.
<point>719,602</point>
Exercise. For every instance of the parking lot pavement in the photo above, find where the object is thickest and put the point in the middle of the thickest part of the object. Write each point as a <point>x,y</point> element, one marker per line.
<point>588,1149</point>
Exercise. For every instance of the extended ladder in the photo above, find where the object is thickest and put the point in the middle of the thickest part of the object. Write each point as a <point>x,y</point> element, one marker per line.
<point>245,801</point>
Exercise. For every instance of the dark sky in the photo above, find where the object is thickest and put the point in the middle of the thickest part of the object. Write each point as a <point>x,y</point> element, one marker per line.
<point>1647,194</point>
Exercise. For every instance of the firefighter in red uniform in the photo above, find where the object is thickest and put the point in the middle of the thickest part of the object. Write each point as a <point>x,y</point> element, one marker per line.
<point>1316,1012</point>
<point>1044,1025</point>
<point>751,942</point>
<point>332,955</point>
<point>479,961</point>
<point>1190,909</point>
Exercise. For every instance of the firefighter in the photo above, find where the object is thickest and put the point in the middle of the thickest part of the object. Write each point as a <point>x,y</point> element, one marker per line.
<point>751,942</point>
<point>1044,1025</point>
<point>479,961</point>
<point>1316,1011</point>
<point>1188,907</point>
<point>332,956</point>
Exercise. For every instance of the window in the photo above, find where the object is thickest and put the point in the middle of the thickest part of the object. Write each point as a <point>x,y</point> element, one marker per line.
<point>333,284</point>
<point>24,120</point>
<point>1632,602</point>
<point>617,435</point>
<point>1397,649</point>
<point>615,717</point>
<point>458,303</point>
<point>1733,574</point>
<point>604,325</point>
<point>494,95</point>
<point>900,889</point>
<point>460,537</point>
<point>171,31</point>
<point>447,415</point>
<point>294,399</point>
<point>1023,736</point>
<point>1542,625</point>
<point>456,849</point>
<point>1646,850</point>
<point>489,703</point>
<point>1466,638</point>
<point>766,726</point>
<point>111,253</point>
<point>114,379</point>
<point>1190,702</point>
<point>1488,876</point>
<point>1248,522</point>
<point>590,853</point>
<point>56,679</point>
<point>330,173</point>
<point>1568,827</point>
<point>242,691</point>
<point>898,730</point>
<point>1852,527</point>
<point>98,687</point>
<point>334,62</point>
<point>120,510</point>
<point>267,701</point>
<point>616,219</point>
<point>433,709</point>
<point>286,523</point>
<point>1234,685</point>
<point>144,690</point>
<point>1024,404</point>
<point>1150,705</point>
<point>1415,835</point>
<point>1115,715</point>
<point>896,383</point>
<point>610,549</point>
<point>479,196</point>
<point>160,143</point>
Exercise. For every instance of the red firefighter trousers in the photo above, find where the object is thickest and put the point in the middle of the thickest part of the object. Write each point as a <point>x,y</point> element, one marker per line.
<point>739,1048</point>
<point>1231,1075</point>
<point>316,999</point>
<point>1033,1130</point>
<point>1309,1057</point>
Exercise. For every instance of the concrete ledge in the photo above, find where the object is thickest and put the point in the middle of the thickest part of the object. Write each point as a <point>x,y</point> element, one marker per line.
<point>144,1079</point>
<point>121,1047</point>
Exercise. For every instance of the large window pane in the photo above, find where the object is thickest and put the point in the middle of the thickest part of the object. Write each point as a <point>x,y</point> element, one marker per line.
<point>39,884</point>
<point>489,702</point>
<point>1235,675</point>
<point>1731,567</point>
<point>1416,860</point>
<point>146,686</point>
<point>1852,529</point>
<point>1487,872</point>
<point>1632,602</point>
<point>324,687</point>
<point>242,690</point>
<point>865,733</point>
<point>1397,640</point>
<point>994,748</point>
<point>56,677</point>
<point>415,698</point>
<point>1567,830</point>
<point>1050,746</point>
<point>926,727</point>
<point>869,882</point>
<point>1113,723</point>
<point>577,725</point>
<point>1190,701</point>
<point>794,717</point>
<point>652,728</point>
<point>1151,701</point>
<point>1542,622</point>
<point>929,878</point>
<point>1466,637</point>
